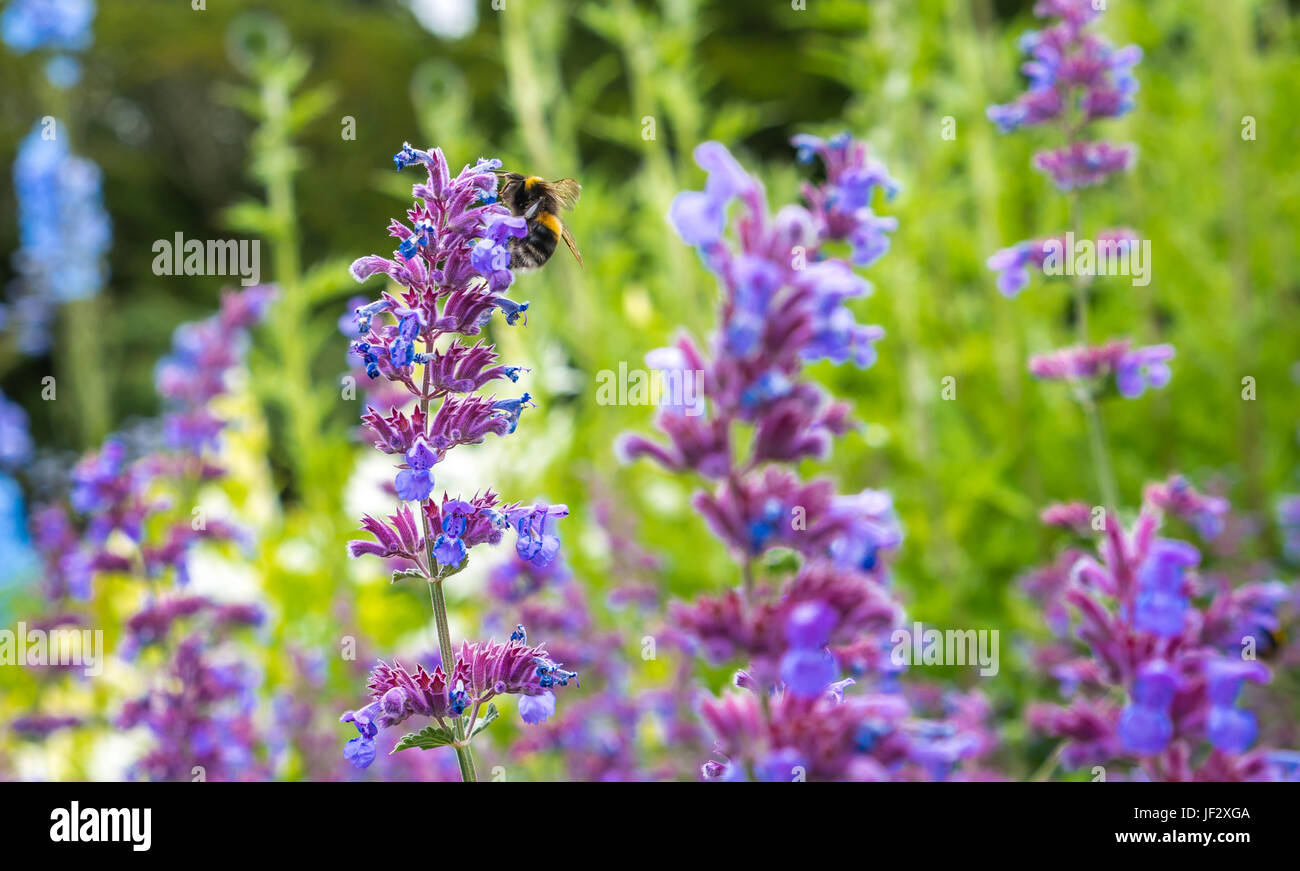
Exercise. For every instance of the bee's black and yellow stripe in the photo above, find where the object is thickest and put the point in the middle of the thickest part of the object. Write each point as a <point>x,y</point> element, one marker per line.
<point>538,246</point>
<point>543,228</point>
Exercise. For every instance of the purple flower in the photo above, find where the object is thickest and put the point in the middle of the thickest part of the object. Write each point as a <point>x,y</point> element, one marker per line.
<point>1083,164</point>
<point>481,672</point>
<point>511,409</point>
<point>416,483</point>
<point>1069,66</point>
<point>455,516</point>
<point>701,216</point>
<point>491,254</point>
<point>536,709</point>
<point>1142,368</point>
<point>785,286</point>
<point>781,766</point>
<point>1145,726</point>
<point>1224,678</point>
<point>1162,601</point>
<point>808,671</point>
<point>1177,496</point>
<point>1146,637</point>
<point>870,240</point>
<point>1231,730</point>
<point>1012,266</point>
<point>448,550</point>
<point>535,525</point>
<point>809,625</point>
<point>452,264</point>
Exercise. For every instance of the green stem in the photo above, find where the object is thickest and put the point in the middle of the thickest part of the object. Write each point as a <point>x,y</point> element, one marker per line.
<point>1092,414</point>
<point>1046,770</point>
<point>1100,455</point>
<point>83,368</point>
<point>1081,282</point>
<point>294,353</point>
<point>81,362</point>
<point>464,755</point>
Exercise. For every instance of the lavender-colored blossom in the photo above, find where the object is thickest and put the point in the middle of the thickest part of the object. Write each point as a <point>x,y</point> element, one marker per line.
<point>114,488</point>
<point>452,267</point>
<point>1084,164</point>
<point>200,715</point>
<point>197,369</point>
<point>1147,638</point>
<point>1133,369</point>
<point>1162,601</point>
<point>1178,497</point>
<point>1068,67</point>
<point>785,288</point>
<point>809,625</point>
<point>1145,726</point>
<point>1142,368</point>
<point>198,707</point>
<point>537,542</point>
<point>415,483</point>
<point>1014,265</point>
<point>700,217</point>
<point>536,709</point>
<point>481,672</point>
<point>808,671</point>
<point>1229,728</point>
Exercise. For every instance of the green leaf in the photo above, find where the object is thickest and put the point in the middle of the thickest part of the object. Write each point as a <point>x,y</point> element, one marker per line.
<point>327,280</point>
<point>310,105</point>
<point>486,719</point>
<point>426,739</point>
<point>250,216</point>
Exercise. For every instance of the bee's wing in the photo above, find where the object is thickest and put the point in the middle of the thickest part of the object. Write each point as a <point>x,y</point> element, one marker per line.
<point>573,246</point>
<point>567,190</point>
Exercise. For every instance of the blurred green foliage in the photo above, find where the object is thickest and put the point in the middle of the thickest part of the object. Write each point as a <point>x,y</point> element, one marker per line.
<point>192,142</point>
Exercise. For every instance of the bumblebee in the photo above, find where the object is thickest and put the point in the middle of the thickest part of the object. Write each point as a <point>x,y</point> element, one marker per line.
<point>1271,642</point>
<point>539,202</point>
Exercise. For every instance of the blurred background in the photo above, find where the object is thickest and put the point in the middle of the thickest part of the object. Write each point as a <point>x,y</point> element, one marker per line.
<point>277,121</point>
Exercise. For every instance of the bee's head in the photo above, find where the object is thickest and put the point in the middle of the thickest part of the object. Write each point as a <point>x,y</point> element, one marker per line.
<point>511,190</point>
<point>516,194</point>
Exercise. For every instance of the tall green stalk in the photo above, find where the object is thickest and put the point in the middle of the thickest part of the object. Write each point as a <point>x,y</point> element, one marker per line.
<point>464,756</point>
<point>80,360</point>
<point>262,51</point>
<point>1092,414</point>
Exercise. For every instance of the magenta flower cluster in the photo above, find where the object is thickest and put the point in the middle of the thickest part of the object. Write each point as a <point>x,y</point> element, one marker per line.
<point>448,289</point>
<point>200,704</point>
<point>1076,78</point>
<point>452,271</point>
<point>1179,664</point>
<point>1166,648</point>
<point>113,491</point>
<point>481,672</point>
<point>818,697</point>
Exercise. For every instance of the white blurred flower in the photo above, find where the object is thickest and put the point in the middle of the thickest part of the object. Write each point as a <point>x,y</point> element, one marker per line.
<point>449,19</point>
